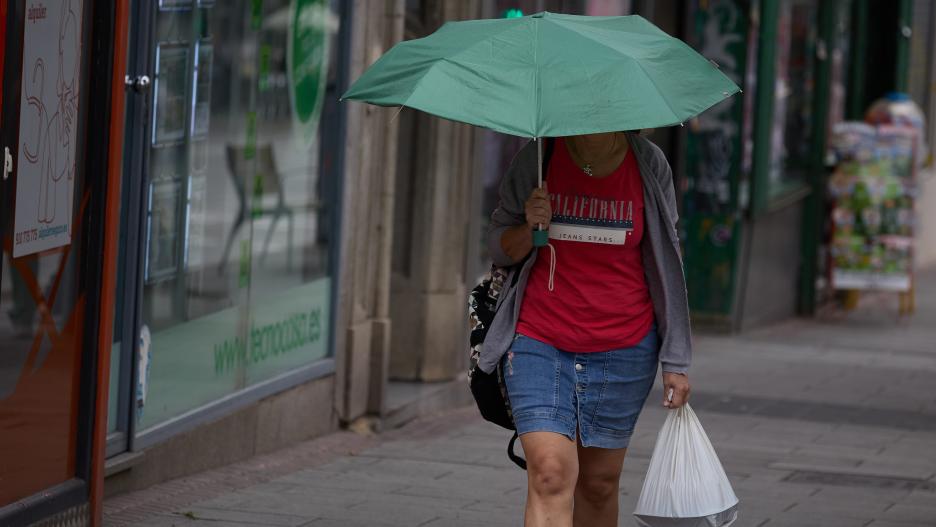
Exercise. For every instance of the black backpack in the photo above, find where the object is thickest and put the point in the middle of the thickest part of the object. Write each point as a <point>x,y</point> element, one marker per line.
<point>488,389</point>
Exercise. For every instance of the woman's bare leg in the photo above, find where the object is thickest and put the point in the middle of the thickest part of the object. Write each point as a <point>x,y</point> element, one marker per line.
<point>596,491</point>
<point>552,470</point>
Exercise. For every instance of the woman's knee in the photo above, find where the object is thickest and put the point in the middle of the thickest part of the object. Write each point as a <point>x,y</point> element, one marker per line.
<point>597,488</point>
<point>551,475</point>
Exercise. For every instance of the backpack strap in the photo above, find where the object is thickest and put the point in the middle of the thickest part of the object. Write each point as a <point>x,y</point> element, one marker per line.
<point>512,455</point>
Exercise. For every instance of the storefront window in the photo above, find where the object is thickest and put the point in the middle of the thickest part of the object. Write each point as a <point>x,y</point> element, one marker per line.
<point>793,108</point>
<point>238,216</point>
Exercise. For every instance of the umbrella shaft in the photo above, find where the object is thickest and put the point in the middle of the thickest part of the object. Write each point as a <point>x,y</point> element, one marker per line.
<point>539,165</point>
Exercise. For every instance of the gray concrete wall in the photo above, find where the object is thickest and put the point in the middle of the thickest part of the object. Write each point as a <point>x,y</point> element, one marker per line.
<point>770,267</point>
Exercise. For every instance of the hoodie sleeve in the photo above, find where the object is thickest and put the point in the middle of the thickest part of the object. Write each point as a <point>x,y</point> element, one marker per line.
<point>664,172</point>
<point>676,355</point>
<point>515,188</point>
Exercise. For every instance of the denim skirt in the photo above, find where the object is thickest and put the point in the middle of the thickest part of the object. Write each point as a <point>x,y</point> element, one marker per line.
<point>598,395</point>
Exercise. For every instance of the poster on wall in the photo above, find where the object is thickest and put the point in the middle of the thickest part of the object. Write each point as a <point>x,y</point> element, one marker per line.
<point>45,177</point>
<point>162,230</point>
<point>170,100</point>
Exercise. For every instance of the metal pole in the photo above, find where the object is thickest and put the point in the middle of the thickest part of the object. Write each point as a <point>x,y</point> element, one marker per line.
<point>539,163</point>
<point>540,236</point>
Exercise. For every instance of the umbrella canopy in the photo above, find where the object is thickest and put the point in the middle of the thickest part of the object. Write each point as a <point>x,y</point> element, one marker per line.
<point>548,75</point>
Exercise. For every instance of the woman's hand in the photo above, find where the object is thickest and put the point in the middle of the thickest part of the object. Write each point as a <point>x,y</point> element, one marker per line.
<point>678,385</point>
<point>537,208</point>
<point>517,241</point>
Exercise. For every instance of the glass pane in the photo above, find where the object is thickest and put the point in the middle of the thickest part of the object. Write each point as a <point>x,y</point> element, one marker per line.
<point>793,108</point>
<point>42,304</point>
<point>195,231</point>
<point>290,191</point>
<point>115,394</point>
<point>239,215</point>
<point>113,389</point>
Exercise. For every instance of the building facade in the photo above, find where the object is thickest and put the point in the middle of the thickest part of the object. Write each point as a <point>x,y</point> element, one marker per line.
<point>192,236</point>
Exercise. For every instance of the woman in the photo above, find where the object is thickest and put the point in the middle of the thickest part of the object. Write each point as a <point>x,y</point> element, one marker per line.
<point>581,330</point>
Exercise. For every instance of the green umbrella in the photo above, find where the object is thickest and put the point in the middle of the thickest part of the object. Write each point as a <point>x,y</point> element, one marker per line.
<point>548,75</point>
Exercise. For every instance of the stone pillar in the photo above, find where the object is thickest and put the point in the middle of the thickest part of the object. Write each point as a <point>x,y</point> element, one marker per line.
<point>363,325</point>
<point>432,219</point>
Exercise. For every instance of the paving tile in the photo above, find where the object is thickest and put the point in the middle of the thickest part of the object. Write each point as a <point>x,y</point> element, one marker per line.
<point>228,515</point>
<point>886,497</point>
<point>171,520</point>
<point>346,481</point>
<point>911,513</point>
<point>305,502</point>
<point>347,522</point>
<point>885,523</point>
<point>855,509</point>
<point>861,436</point>
<point>809,519</point>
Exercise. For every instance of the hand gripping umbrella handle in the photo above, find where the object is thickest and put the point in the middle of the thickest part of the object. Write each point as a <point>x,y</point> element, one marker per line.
<point>540,235</point>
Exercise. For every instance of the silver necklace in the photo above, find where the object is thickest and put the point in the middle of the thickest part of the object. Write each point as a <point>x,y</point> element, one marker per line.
<point>587,169</point>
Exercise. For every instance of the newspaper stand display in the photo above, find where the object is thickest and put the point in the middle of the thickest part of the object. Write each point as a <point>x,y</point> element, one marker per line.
<point>873,189</point>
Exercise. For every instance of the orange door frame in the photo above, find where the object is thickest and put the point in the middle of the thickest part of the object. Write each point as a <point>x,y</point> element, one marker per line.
<point>109,263</point>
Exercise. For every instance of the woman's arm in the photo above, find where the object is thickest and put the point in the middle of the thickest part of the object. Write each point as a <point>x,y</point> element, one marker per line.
<point>509,237</point>
<point>675,360</point>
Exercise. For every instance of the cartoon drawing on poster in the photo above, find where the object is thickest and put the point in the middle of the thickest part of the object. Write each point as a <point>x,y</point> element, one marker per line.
<point>45,178</point>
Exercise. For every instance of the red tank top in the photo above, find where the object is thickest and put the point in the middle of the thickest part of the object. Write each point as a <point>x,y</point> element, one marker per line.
<point>600,299</point>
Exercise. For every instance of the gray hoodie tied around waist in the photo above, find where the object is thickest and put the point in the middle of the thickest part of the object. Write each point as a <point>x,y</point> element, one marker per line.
<point>660,252</point>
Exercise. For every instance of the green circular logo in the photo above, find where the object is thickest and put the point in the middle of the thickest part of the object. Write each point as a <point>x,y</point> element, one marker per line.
<point>310,25</point>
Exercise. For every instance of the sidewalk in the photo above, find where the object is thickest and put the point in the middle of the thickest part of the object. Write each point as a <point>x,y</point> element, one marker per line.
<point>828,422</point>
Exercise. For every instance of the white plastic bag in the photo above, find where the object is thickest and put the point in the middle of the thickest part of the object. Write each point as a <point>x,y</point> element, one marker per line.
<point>686,485</point>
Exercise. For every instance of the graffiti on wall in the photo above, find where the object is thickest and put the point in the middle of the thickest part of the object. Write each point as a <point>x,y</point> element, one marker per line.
<point>713,158</point>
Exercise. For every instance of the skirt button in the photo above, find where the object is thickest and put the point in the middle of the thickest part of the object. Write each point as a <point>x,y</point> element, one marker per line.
<point>578,367</point>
